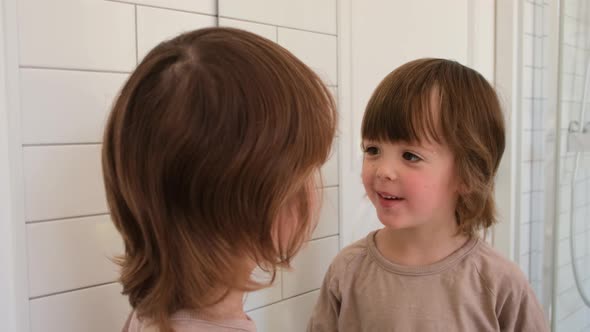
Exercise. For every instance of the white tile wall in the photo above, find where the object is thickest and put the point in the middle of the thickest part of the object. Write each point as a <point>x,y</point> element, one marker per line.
<point>63,181</point>
<point>328,220</point>
<point>264,296</point>
<point>50,96</point>
<point>291,315</point>
<point>318,51</point>
<point>74,57</point>
<point>572,315</point>
<point>525,239</point>
<point>89,245</point>
<point>309,266</point>
<point>155,25</point>
<point>576,321</point>
<point>329,171</point>
<point>314,15</point>
<point>569,302</point>
<point>96,309</point>
<point>264,30</point>
<point>197,6</point>
<point>75,34</point>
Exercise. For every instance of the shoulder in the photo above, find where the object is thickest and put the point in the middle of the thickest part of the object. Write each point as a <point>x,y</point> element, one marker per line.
<point>348,257</point>
<point>498,274</point>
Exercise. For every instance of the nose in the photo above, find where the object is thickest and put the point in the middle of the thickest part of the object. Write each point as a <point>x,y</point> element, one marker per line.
<point>386,172</point>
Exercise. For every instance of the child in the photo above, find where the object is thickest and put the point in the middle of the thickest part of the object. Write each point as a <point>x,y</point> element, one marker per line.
<point>433,136</point>
<point>209,160</point>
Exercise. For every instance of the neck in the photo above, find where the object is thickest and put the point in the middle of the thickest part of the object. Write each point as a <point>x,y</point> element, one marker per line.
<point>419,246</point>
<point>230,308</point>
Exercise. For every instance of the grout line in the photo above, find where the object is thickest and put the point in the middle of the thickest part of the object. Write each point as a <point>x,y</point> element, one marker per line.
<point>28,145</point>
<point>76,69</point>
<point>323,237</point>
<point>279,26</point>
<point>71,290</point>
<point>163,8</point>
<point>284,299</point>
<point>67,218</point>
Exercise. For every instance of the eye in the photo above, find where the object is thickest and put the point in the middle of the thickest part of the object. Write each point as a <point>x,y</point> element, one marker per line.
<point>411,157</point>
<point>371,150</point>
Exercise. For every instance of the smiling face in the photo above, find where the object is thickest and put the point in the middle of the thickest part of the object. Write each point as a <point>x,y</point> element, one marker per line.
<point>411,184</point>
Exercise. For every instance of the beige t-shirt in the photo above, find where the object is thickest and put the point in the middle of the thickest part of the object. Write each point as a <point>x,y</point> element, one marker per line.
<point>473,289</point>
<point>184,321</point>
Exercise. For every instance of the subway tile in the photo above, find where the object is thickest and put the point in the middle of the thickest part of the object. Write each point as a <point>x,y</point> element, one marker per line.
<point>538,78</point>
<point>538,113</point>
<point>525,264</point>
<point>291,315</point>
<point>264,30</point>
<point>539,12</point>
<point>578,89</point>
<point>570,30</point>
<point>536,268</point>
<point>579,194</point>
<point>568,59</point>
<point>264,296</point>
<point>572,7</point>
<point>527,114</point>
<point>580,246</point>
<point>526,177</point>
<point>581,58</point>
<point>538,176</point>
<point>579,219</point>
<point>95,309</point>
<point>576,321</point>
<point>62,106</point>
<point>525,207</point>
<point>156,25</point>
<point>539,49</point>
<point>538,145</point>
<point>538,206</point>
<point>525,239</point>
<point>196,6</point>
<point>565,278</point>
<point>63,181</point>
<point>563,253</point>
<point>527,82</point>
<point>71,254</point>
<point>528,18</point>
<point>568,92</point>
<point>318,51</point>
<point>565,198</point>
<point>527,146</point>
<point>328,222</point>
<point>309,266</point>
<point>568,303</point>
<point>75,34</point>
<point>564,225</point>
<point>329,170</point>
<point>318,15</point>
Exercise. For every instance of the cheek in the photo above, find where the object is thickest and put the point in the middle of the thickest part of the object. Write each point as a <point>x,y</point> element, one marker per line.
<point>367,173</point>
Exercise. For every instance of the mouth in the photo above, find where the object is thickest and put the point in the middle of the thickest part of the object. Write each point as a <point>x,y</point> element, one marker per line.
<point>388,197</point>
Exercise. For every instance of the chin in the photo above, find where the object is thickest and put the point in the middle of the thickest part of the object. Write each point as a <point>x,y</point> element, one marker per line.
<point>395,223</point>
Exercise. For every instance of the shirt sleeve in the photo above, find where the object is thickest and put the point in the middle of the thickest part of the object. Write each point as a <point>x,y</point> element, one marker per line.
<point>522,312</point>
<point>327,309</point>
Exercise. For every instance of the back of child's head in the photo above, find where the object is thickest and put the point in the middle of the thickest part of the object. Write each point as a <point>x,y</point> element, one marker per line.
<point>214,134</point>
<point>469,120</point>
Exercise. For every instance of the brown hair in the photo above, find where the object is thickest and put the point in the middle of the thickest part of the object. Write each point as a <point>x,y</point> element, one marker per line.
<point>212,136</point>
<point>470,121</point>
